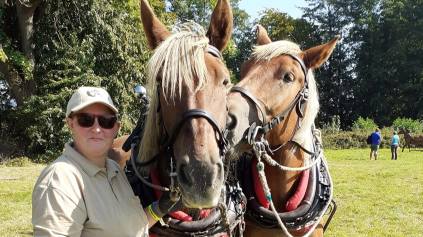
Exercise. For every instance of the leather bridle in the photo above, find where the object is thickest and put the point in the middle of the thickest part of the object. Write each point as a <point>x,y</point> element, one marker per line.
<point>167,146</point>
<point>258,131</point>
<point>198,113</point>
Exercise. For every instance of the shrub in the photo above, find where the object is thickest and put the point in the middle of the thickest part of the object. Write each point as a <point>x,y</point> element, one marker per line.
<point>21,161</point>
<point>414,126</point>
<point>353,139</point>
<point>364,124</point>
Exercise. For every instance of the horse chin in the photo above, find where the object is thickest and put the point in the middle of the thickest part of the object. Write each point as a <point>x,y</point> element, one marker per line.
<point>200,200</point>
<point>200,180</point>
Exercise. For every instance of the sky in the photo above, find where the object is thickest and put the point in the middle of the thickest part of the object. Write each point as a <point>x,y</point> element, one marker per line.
<point>253,7</point>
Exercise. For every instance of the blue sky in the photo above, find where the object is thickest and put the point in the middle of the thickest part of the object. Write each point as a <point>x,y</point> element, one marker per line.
<point>253,7</point>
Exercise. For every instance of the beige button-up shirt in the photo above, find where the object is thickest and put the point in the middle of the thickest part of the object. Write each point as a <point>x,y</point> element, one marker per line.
<point>74,197</point>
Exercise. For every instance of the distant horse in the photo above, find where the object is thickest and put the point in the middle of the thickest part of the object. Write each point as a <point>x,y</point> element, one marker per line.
<point>182,148</point>
<point>411,140</point>
<point>272,111</point>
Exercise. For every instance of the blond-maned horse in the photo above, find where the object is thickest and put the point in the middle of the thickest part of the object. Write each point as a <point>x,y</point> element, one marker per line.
<point>277,85</point>
<point>187,86</point>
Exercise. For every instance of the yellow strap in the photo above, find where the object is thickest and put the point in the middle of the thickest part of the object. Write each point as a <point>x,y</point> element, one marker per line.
<point>152,213</point>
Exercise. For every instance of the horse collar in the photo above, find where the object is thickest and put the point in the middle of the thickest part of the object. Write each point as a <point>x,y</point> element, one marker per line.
<point>181,224</point>
<point>306,216</point>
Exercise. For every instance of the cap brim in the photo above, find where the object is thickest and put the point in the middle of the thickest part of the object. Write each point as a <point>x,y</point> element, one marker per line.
<point>83,105</point>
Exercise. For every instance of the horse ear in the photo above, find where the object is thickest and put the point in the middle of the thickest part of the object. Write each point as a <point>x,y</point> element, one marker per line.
<point>154,29</point>
<point>316,56</point>
<point>262,36</point>
<point>220,29</point>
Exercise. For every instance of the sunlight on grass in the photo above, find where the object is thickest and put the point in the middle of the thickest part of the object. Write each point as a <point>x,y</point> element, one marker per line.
<point>16,185</point>
<point>375,198</point>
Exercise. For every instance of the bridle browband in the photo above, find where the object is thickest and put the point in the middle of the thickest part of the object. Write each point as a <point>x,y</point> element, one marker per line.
<point>265,126</point>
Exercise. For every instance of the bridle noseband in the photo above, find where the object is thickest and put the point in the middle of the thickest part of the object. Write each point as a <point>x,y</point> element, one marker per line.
<point>198,113</point>
<point>255,131</point>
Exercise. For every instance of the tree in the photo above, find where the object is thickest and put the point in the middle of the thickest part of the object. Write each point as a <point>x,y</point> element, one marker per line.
<point>16,52</point>
<point>389,60</point>
<point>336,78</point>
<point>93,43</point>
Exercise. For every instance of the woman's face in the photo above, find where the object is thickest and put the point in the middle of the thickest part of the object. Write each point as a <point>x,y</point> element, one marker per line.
<point>93,141</point>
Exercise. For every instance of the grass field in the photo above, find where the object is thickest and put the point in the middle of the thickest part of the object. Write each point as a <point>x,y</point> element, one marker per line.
<point>375,198</point>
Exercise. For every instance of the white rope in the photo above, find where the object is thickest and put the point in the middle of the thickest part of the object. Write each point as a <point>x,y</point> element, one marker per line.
<point>266,189</point>
<point>267,193</point>
<point>272,162</point>
<point>260,153</point>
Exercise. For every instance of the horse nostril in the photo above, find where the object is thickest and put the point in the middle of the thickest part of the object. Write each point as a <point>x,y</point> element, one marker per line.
<point>231,122</point>
<point>184,175</point>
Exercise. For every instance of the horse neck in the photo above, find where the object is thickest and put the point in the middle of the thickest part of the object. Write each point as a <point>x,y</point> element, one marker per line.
<point>281,183</point>
<point>407,136</point>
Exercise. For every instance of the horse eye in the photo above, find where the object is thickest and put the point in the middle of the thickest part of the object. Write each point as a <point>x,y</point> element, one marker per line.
<point>226,82</point>
<point>288,77</point>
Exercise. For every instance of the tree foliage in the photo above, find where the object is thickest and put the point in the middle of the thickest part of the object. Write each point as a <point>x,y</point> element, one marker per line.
<point>91,43</point>
<point>375,72</point>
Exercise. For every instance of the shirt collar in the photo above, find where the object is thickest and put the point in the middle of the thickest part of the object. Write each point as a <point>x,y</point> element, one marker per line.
<point>90,168</point>
<point>112,168</point>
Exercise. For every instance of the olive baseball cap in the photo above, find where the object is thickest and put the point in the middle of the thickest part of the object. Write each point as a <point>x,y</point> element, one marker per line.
<point>85,96</point>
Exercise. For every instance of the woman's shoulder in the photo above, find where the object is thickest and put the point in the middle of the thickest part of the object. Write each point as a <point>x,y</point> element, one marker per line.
<point>61,172</point>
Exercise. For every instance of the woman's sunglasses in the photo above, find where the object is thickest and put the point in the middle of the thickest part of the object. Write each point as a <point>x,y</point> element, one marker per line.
<point>86,120</point>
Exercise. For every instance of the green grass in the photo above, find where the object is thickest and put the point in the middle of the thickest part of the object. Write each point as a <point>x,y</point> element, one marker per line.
<point>375,198</point>
<point>16,185</point>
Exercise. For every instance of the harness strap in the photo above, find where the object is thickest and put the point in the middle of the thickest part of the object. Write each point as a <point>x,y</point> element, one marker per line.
<point>198,113</point>
<point>249,96</point>
<point>214,51</point>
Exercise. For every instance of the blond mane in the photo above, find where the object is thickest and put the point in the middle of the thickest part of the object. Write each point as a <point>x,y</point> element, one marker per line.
<point>275,49</point>
<point>178,62</point>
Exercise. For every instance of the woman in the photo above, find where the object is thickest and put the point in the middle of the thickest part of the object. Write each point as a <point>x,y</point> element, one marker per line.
<point>395,141</point>
<point>83,193</point>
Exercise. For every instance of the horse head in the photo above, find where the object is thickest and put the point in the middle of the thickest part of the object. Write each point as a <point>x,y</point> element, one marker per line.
<point>188,83</point>
<point>280,82</point>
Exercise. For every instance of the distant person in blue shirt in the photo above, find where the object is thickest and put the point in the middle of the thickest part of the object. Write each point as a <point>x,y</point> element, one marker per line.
<point>376,140</point>
<point>395,142</point>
